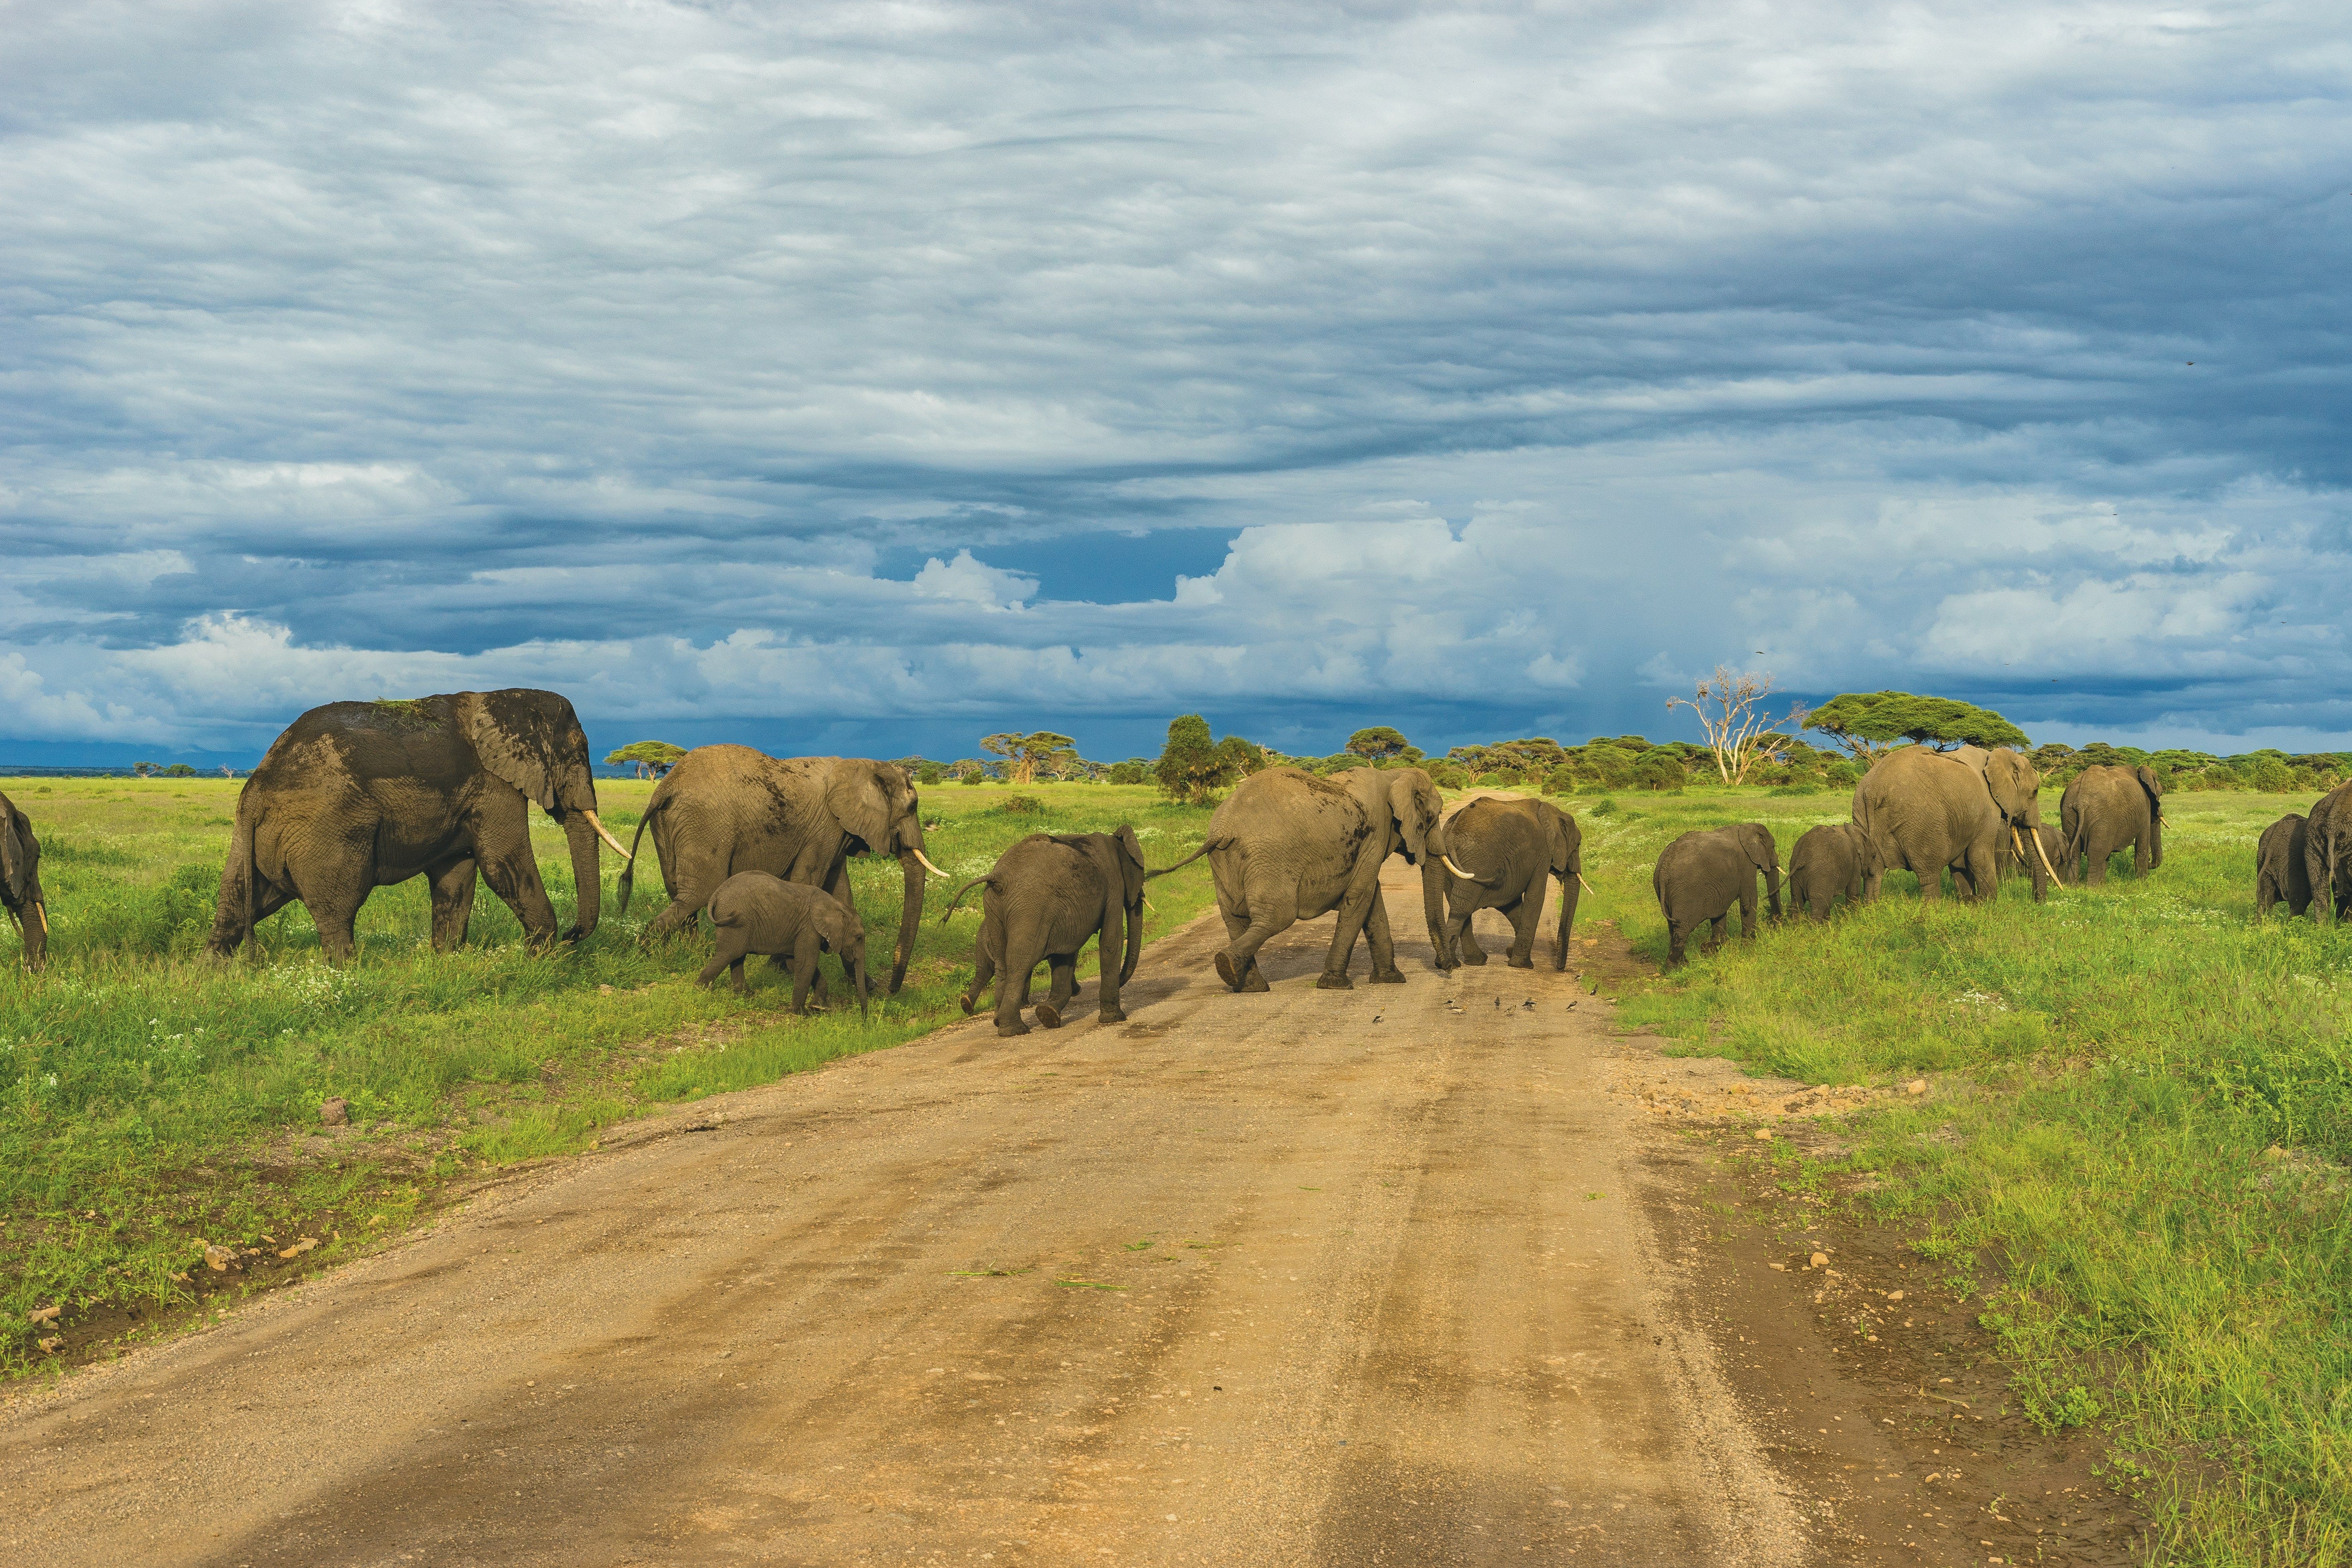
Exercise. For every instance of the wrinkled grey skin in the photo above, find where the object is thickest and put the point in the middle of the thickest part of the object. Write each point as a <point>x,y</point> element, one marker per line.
<point>20,883</point>
<point>1286,846</point>
<point>1701,875</point>
<point>1925,811</point>
<point>2106,807</point>
<point>753,912</point>
<point>1831,859</point>
<point>2016,790</point>
<point>359,796</point>
<point>1406,813</point>
<point>1512,846</point>
<point>2282,867</point>
<point>724,809</point>
<point>2327,854</point>
<point>1046,898</point>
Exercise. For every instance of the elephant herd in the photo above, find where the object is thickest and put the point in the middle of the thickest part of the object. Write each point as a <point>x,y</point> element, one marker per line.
<point>357,796</point>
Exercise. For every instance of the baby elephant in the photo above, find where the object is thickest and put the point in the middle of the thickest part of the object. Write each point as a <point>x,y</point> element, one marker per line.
<point>1047,897</point>
<point>1701,875</point>
<point>1829,860</point>
<point>756,912</point>
<point>2280,870</point>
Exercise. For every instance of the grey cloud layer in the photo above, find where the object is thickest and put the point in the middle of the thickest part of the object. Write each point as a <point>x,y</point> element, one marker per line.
<point>1531,356</point>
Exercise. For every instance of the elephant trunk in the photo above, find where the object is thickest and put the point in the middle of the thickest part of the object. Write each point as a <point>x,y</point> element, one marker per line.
<point>587,874</point>
<point>910,917</point>
<point>1134,941</point>
<point>862,988</point>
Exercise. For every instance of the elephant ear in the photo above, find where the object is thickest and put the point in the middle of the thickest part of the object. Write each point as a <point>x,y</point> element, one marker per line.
<point>1413,817</point>
<point>1760,848</point>
<point>860,800</point>
<point>1561,827</point>
<point>516,740</point>
<point>15,859</point>
<point>838,924</point>
<point>1130,859</point>
<point>2149,782</point>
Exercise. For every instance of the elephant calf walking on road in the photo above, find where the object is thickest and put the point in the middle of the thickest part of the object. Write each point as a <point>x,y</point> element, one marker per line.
<point>1513,845</point>
<point>20,883</point>
<point>1829,860</point>
<point>1702,873</point>
<point>1046,897</point>
<point>755,913</point>
<point>2280,870</point>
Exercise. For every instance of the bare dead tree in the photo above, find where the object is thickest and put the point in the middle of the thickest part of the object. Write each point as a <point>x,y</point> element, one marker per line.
<point>1730,708</point>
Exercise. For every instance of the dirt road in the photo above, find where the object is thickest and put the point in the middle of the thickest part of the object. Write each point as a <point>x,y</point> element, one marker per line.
<point>1303,1278</point>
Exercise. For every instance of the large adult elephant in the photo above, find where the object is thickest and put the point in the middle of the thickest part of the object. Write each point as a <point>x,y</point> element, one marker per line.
<point>2016,791</point>
<point>2106,807</point>
<point>1286,845</point>
<point>358,796</point>
<point>2327,854</point>
<point>20,883</point>
<point>1925,810</point>
<point>724,809</point>
<point>1516,845</point>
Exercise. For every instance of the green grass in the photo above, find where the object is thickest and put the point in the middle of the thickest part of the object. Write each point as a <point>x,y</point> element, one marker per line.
<point>151,1100</point>
<point>2137,1153</point>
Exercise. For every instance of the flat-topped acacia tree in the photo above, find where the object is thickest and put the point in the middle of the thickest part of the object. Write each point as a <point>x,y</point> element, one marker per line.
<point>1868,722</point>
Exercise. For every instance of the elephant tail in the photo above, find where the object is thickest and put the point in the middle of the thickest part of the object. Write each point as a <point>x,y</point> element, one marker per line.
<point>990,879</point>
<point>1207,846</point>
<point>629,868</point>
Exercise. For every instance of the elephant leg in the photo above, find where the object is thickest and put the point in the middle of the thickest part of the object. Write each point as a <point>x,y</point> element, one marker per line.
<point>453,903</point>
<point>1363,893</point>
<point>984,969</point>
<point>1931,885</point>
<point>1012,986</point>
<point>513,875</point>
<point>1982,881</point>
<point>333,915</point>
<point>1468,951</point>
<point>1677,938</point>
<point>1376,934</point>
<point>1525,913</point>
<point>1237,964</point>
<point>1748,921</point>
<point>2139,853</point>
<point>1450,932</point>
<point>2264,895</point>
<point>1064,967</point>
<point>2095,855</point>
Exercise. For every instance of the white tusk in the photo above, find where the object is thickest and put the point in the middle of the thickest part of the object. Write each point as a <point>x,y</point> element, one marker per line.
<point>1456,869</point>
<point>43,911</point>
<point>1149,905</point>
<point>1582,883</point>
<point>607,836</point>
<point>926,859</point>
<point>2045,861</point>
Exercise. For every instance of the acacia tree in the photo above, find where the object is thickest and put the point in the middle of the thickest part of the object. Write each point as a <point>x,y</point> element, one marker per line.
<point>653,758</point>
<point>1868,722</point>
<point>1730,708</point>
<point>1026,755</point>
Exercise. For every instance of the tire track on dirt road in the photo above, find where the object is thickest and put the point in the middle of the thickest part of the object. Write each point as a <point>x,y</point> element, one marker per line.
<point>1301,1278</point>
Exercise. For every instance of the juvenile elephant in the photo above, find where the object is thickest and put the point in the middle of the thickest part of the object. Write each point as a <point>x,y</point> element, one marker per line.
<point>2282,872</point>
<point>1515,845</point>
<point>1286,845</point>
<point>359,796</point>
<point>1046,898</point>
<point>2328,853</point>
<point>2106,807</point>
<point>1702,873</point>
<point>753,912</point>
<point>1925,811</point>
<point>1831,859</point>
<point>20,883</point>
<point>724,809</point>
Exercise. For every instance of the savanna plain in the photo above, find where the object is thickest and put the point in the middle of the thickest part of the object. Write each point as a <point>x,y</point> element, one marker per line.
<point>2132,1166</point>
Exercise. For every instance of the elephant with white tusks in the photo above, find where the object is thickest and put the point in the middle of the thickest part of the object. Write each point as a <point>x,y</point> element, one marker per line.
<point>725,809</point>
<point>1286,846</point>
<point>1925,810</point>
<point>1516,846</point>
<point>2015,787</point>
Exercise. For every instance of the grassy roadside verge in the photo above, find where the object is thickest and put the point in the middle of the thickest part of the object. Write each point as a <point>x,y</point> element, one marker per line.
<point>2136,1158</point>
<point>153,1104</point>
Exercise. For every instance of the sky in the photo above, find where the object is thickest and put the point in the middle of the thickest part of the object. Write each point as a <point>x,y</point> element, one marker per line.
<point>867,378</point>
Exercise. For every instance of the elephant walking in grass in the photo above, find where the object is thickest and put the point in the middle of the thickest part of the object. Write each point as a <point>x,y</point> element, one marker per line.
<point>1831,859</point>
<point>359,796</point>
<point>2016,790</point>
<point>1286,846</point>
<point>1701,875</point>
<point>2105,808</point>
<point>754,912</point>
<point>725,809</point>
<point>1515,845</point>
<point>20,883</point>
<point>2282,867</point>
<point>2327,854</point>
<point>1046,898</point>
<point>1925,811</point>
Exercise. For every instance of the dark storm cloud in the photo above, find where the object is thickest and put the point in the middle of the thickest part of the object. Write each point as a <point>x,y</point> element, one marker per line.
<point>1513,363</point>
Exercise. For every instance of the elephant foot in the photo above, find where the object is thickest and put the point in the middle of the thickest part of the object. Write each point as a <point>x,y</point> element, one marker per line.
<point>1049,1016</point>
<point>1329,982</point>
<point>1518,962</point>
<point>1111,1016</point>
<point>1015,1027</point>
<point>1477,960</point>
<point>1256,980</point>
<point>1392,977</point>
<point>1225,972</point>
<point>970,1000</point>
